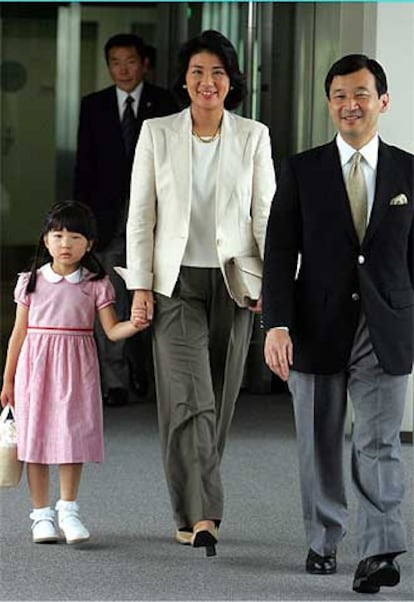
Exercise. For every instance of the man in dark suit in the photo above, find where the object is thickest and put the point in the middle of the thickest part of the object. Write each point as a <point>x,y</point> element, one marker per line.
<point>109,124</point>
<point>338,296</point>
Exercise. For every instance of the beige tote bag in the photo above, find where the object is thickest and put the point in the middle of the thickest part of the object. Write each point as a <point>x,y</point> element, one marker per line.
<point>10,467</point>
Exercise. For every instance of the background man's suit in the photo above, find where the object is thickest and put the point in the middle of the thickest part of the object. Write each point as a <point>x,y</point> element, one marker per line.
<point>102,179</point>
<point>351,304</point>
<point>103,171</point>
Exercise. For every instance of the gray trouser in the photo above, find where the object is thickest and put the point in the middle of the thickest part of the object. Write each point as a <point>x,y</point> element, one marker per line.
<point>201,339</point>
<point>120,360</point>
<point>378,401</point>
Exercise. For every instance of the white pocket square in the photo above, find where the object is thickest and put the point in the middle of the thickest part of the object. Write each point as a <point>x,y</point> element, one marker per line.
<point>400,199</point>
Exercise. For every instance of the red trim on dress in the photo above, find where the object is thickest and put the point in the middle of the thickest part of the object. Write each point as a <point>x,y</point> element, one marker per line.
<point>62,328</point>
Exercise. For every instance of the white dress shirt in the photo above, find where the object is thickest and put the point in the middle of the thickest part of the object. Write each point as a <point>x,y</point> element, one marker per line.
<point>122,96</point>
<point>201,249</point>
<point>369,163</point>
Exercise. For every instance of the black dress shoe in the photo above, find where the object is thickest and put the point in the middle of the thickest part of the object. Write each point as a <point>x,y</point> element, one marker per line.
<point>116,397</point>
<point>321,565</point>
<point>374,572</point>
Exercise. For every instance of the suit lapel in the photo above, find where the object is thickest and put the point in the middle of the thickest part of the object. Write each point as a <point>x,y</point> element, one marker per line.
<point>333,177</point>
<point>232,146</point>
<point>385,189</point>
<point>145,110</point>
<point>179,151</point>
<point>113,121</point>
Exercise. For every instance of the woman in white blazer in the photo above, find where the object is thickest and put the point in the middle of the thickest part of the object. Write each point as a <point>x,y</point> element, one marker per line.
<point>201,188</point>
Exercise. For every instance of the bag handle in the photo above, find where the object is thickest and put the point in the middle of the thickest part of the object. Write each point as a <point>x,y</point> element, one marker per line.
<point>4,416</point>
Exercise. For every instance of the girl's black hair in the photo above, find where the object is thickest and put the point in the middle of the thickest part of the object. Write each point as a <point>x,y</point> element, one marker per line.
<point>75,217</point>
<point>216,43</point>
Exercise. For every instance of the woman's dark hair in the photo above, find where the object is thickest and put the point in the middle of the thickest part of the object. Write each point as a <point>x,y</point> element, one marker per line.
<point>355,62</point>
<point>75,217</point>
<point>215,43</point>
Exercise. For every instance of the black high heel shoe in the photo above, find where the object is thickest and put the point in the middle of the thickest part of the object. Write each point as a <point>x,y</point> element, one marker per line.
<point>205,537</point>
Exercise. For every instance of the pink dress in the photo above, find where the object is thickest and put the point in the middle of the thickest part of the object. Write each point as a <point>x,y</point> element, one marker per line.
<point>58,398</point>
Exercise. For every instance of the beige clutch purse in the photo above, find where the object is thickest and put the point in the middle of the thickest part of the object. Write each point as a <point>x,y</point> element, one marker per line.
<point>244,275</point>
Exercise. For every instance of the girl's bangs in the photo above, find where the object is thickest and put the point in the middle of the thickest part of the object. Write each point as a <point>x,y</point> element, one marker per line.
<point>73,222</point>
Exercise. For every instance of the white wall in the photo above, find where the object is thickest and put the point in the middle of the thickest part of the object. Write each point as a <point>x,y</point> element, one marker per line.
<point>395,51</point>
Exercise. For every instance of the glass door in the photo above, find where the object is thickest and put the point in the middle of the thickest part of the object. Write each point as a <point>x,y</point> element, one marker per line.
<point>28,76</point>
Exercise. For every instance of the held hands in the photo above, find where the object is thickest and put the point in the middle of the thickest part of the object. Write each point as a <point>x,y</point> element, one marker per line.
<point>278,352</point>
<point>142,309</point>
<point>256,306</point>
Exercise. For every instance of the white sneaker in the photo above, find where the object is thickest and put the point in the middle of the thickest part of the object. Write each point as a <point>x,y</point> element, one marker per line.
<point>70,523</point>
<point>43,527</point>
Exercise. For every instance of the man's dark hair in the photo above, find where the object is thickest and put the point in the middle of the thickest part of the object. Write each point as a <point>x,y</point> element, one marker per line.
<point>355,62</point>
<point>125,40</point>
<point>215,43</point>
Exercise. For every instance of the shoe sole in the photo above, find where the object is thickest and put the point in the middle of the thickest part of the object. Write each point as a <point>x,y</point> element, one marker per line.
<point>46,540</point>
<point>321,572</point>
<point>72,541</point>
<point>184,537</point>
<point>387,577</point>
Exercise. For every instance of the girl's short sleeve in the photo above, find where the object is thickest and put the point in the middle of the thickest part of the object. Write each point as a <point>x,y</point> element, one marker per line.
<point>105,293</point>
<point>20,295</point>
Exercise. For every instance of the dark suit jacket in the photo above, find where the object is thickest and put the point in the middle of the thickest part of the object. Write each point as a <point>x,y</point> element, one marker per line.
<point>310,215</point>
<point>102,171</point>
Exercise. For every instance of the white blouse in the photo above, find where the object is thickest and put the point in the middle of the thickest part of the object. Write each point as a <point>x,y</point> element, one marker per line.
<point>201,249</point>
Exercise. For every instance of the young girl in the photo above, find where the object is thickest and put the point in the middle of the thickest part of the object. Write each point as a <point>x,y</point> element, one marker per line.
<point>51,374</point>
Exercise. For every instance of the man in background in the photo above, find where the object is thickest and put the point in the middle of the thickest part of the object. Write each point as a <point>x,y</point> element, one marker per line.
<point>109,123</point>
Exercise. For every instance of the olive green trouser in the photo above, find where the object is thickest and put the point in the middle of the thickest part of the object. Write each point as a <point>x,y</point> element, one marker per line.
<point>201,339</point>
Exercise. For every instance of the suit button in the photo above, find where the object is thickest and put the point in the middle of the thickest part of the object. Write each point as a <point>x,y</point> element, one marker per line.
<point>355,297</point>
<point>361,259</point>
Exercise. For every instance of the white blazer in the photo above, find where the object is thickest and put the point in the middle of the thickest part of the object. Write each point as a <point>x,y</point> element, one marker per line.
<point>160,198</point>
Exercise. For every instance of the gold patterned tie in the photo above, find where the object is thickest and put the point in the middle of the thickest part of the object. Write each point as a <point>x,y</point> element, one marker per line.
<point>357,194</point>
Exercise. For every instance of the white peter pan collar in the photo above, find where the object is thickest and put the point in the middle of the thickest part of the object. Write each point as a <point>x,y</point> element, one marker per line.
<point>51,276</point>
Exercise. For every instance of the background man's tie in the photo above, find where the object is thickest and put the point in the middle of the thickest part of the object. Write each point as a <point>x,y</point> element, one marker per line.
<point>129,127</point>
<point>357,194</point>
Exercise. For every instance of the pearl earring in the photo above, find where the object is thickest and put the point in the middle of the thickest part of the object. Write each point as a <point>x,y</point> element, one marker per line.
<point>184,86</point>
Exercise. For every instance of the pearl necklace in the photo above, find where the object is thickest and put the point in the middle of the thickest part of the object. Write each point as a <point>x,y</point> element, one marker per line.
<point>208,139</point>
